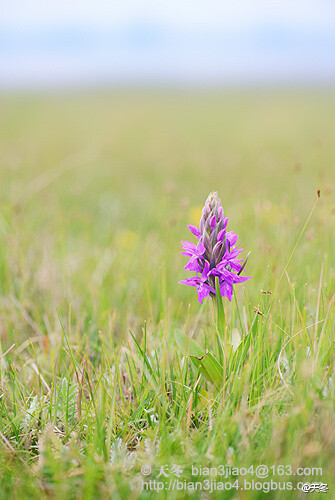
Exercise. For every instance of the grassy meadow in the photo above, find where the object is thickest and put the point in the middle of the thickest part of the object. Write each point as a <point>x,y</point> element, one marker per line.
<point>96,191</point>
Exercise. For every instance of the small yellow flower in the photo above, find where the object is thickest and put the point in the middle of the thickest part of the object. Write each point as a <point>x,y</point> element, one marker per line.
<point>127,239</point>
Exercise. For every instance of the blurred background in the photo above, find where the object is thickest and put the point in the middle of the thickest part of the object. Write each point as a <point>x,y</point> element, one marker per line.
<point>70,43</point>
<point>116,121</point>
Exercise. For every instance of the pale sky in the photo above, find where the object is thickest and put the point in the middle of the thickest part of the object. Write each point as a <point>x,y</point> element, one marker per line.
<point>207,14</point>
<point>47,41</point>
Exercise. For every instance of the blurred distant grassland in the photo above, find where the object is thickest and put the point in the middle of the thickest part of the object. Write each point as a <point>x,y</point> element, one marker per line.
<point>95,194</point>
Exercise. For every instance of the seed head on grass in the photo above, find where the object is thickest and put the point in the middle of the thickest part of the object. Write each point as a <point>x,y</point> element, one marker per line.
<point>215,254</point>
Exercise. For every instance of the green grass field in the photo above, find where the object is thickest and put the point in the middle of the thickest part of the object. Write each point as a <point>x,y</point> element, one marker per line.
<point>95,194</point>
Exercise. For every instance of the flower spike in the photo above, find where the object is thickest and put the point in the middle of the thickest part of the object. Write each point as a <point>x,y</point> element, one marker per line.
<point>215,255</point>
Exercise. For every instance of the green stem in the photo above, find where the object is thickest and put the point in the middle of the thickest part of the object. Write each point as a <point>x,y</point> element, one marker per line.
<point>220,316</point>
<point>221,328</point>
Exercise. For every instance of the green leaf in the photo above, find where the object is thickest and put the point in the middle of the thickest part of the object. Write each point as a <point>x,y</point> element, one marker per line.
<point>206,363</point>
<point>210,368</point>
<point>241,351</point>
<point>188,345</point>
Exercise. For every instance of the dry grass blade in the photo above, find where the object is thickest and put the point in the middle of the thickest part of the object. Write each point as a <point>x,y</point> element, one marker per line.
<point>284,347</point>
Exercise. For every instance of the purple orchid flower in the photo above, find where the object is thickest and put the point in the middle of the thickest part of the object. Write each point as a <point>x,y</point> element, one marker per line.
<point>215,255</point>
